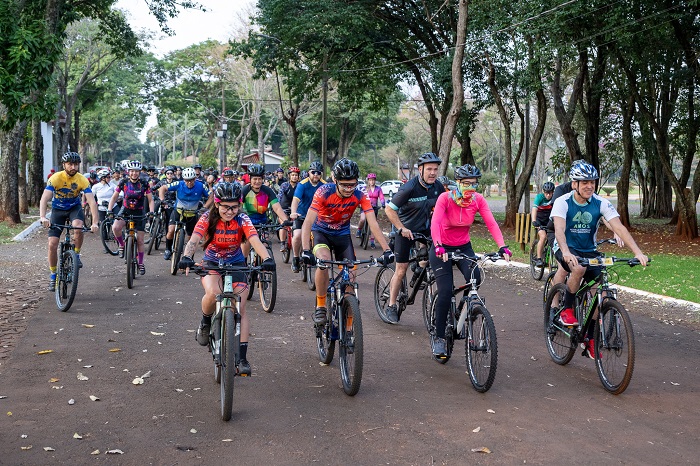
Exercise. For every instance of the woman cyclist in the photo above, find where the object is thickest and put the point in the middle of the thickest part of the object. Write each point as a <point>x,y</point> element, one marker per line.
<point>103,192</point>
<point>453,216</point>
<point>223,228</point>
<point>376,199</point>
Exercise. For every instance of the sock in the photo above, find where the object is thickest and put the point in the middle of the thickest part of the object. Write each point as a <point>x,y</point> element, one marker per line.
<point>77,250</point>
<point>243,349</point>
<point>206,320</point>
<point>140,257</point>
<point>569,299</point>
<point>120,241</point>
<point>53,269</point>
<point>321,301</point>
<point>168,244</point>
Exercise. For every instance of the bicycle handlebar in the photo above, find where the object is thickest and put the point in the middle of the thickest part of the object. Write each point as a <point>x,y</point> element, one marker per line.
<point>324,264</point>
<point>70,227</point>
<point>609,261</point>
<point>458,256</point>
<point>223,269</point>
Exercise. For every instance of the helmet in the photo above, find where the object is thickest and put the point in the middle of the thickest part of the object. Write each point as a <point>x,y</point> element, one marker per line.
<point>227,192</point>
<point>346,169</point>
<point>256,169</point>
<point>188,174</point>
<point>103,173</point>
<point>133,165</point>
<point>371,176</point>
<point>467,171</point>
<point>583,171</point>
<point>197,165</point>
<point>548,187</point>
<point>443,180</point>
<point>227,172</point>
<point>93,175</point>
<point>316,166</point>
<point>72,157</point>
<point>293,170</point>
<point>428,157</point>
<point>235,172</point>
<point>170,169</point>
<point>279,170</point>
<point>118,167</point>
<point>150,168</point>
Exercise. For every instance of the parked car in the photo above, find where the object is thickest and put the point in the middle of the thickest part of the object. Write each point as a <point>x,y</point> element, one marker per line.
<point>390,187</point>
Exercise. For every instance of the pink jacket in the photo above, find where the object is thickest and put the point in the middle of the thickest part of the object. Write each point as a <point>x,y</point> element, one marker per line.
<point>451,223</point>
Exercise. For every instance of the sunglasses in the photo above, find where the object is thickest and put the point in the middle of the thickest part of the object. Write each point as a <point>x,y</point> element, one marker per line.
<point>467,184</point>
<point>314,172</point>
<point>347,186</point>
<point>229,208</point>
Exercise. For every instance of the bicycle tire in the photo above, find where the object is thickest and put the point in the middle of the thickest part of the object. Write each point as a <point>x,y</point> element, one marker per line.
<point>287,251</point>
<point>311,278</point>
<point>547,286</point>
<point>67,280</point>
<point>303,271</point>
<point>481,349</point>
<point>535,271</point>
<point>351,353</point>
<point>364,241</point>
<point>109,242</point>
<point>178,246</point>
<point>267,282</point>
<point>382,285</point>
<point>325,342</point>
<point>614,360</point>
<point>253,275</point>
<point>155,231</point>
<point>428,294</point>
<point>560,346</point>
<point>129,251</point>
<point>87,216</point>
<point>229,350</point>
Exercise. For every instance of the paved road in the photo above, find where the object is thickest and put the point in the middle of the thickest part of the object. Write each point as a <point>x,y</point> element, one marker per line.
<point>410,410</point>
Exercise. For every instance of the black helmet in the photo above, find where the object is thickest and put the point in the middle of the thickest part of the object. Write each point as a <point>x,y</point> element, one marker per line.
<point>443,180</point>
<point>346,169</point>
<point>467,171</point>
<point>72,157</point>
<point>428,157</point>
<point>256,170</point>
<point>150,168</point>
<point>227,172</point>
<point>316,166</point>
<point>548,187</point>
<point>228,192</point>
<point>197,165</point>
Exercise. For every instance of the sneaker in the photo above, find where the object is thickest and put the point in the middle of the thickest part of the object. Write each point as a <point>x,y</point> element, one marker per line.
<point>80,263</point>
<point>202,335</point>
<point>539,262</point>
<point>439,347</point>
<point>372,245</point>
<point>121,252</point>
<point>392,314</point>
<point>589,350</point>
<point>295,264</point>
<point>244,368</point>
<point>142,269</point>
<point>52,283</point>
<point>167,254</point>
<point>320,316</point>
<point>568,318</point>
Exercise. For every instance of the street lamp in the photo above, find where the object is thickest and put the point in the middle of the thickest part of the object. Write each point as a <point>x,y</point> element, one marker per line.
<point>221,134</point>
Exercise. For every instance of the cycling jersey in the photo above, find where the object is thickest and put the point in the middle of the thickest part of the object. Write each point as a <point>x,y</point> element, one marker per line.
<point>414,203</point>
<point>134,193</point>
<point>256,204</point>
<point>544,207</point>
<point>451,222</point>
<point>67,189</point>
<point>582,220</point>
<point>376,196</point>
<point>189,198</point>
<point>305,193</point>
<point>286,194</point>
<point>228,237</point>
<point>103,192</point>
<point>334,212</point>
<point>170,196</point>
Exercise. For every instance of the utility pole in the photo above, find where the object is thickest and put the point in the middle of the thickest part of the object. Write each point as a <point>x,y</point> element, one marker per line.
<point>224,127</point>
<point>184,143</point>
<point>324,119</point>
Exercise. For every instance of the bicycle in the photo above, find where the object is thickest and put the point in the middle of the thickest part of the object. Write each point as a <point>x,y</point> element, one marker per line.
<point>548,260</point>
<point>109,241</point>
<point>287,245</point>
<point>68,269</point>
<point>365,232</point>
<point>267,281</point>
<point>159,227</point>
<point>131,248</point>
<point>595,304</point>
<point>344,324</point>
<point>179,239</point>
<point>225,332</point>
<point>475,326</point>
<point>422,279</point>
<point>308,272</point>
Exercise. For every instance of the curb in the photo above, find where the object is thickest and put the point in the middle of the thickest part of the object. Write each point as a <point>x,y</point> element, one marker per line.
<point>24,234</point>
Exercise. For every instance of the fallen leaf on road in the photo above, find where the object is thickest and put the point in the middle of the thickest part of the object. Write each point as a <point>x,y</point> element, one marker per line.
<point>71,402</point>
<point>491,411</point>
<point>481,450</point>
<point>115,350</point>
<point>146,375</point>
<point>28,447</point>
<point>88,325</point>
<point>2,397</point>
<point>77,436</point>
<point>115,452</point>
<point>476,430</point>
<point>137,381</point>
<point>178,302</point>
<point>24,436</point>
<point>9,413</point>
<point>96,452</point>
<point>94,398</point>
<point>158,334</point>
<point>46,351</point>
<point>88,367</point>
<point>179,390</point>
<point>193,431</point>
<point>49,449</point>
<point>81,376</point>
<point>533,358</point>
<point>57,387</point>
<point>53,380</point>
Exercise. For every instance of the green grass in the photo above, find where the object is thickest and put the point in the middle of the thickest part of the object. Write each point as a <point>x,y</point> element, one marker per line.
<point>7,231</point>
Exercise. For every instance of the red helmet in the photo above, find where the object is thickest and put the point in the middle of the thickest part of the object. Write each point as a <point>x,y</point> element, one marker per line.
<point>293,170</point>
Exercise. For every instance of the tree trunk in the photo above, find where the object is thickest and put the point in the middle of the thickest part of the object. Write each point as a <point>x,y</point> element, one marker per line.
<point>22,178</point>
<point>623,185</point>
<point>9,168</point>
<point>36,181</point>
<point>565,116</point>
<point>593,97</point>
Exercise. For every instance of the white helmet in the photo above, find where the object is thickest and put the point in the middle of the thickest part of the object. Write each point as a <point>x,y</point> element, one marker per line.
<point>133,165</point>
<point>188,173</point>
<point>102,173</point>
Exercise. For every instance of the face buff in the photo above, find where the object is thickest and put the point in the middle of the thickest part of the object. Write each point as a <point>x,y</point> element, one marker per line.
<point>463,194</point>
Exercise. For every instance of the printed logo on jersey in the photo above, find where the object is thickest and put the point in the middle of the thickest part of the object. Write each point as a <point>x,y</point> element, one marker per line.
<point>581,222</point>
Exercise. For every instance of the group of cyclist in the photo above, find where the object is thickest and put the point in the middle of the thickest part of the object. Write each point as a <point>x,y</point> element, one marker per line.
<point>320,214</point>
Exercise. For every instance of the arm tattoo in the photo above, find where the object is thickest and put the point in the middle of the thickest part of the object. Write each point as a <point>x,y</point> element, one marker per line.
<point>189,249</point>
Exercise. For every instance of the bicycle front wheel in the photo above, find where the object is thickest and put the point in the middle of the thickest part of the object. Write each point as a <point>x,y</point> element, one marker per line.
<point>253,275</point>
<point>130,268</point>
<point>382,285</point>
<point>535,270</point>
<point>268,288</point>
<point>230,342</point>
<point>178,246</point>
<point>481,349</point>
<point>557,337</point>
<point>428,294</point>
<point>155,232</point>
<point>109,242</point>
<point>614,343</point>
<point>311,277</point>
<point>66,280</point>
<point>547,287</point>
<point>351,349</point>
<point>365,235</point>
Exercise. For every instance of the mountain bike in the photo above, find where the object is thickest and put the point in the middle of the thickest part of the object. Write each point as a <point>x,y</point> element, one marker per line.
<point>131,248</point>
<point>109,241</point>
<point>87,214</point>
<point>473,325</point>
<point>159,227</point>
<point>225,331</point>
<point>266,281</point>
<point>179,238</point>
<point>344,324</point>
<point>422,279</point>
<point>595,304</point>
<point>287,245</point>
<point>364,235</point>
<point>548,260</point>
<point>68,269</point>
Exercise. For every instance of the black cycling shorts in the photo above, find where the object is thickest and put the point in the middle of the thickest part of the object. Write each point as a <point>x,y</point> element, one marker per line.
<point>190,219</point>
<point>591,272</point>
<point>402,247</point>
<point>341,246</point>
<point>238,277</point>
<point>59,217</point>
<point>298,222</point>
<point>140,223</point>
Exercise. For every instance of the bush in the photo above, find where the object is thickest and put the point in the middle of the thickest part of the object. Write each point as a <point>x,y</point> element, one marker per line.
<point>608,190</point>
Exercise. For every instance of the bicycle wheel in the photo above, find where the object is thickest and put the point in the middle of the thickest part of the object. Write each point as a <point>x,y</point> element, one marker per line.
<point>311,277</point>
<point>287,252</point>
<point>178,246</point>
<point>382,284</point>
<point>268,288</point>
<point>325,338</point>
<point>364,240</point>
<point>614,342</point>
<point>130,269</point>
<point>481,348</point>
<point>449,331</point>
<point>351,349</point>
<point>303,271</point>
<point>547,286</point>
<point>66,280</point>
<point>109,242</point>
<point>428,293</point>
<point>559,344</point>
<point>253,275</point>
<point>230,343</point>
<point>155,232</point>
<point>87,216</point>
<point>535,270</point>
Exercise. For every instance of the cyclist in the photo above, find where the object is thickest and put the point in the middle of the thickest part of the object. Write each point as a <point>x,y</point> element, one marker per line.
<point>376,199</point>
<point>228,176</point>
<point>170,196</point>
<point>286,196</point>
<point>576,217</point>
<point>303,195</point>
<point>409,210</point>
<point>541,209</point>
<point>117,173</point>
<point>453,217</point>
<point>135,191</point>
<point>103,192</point>
<point>329,219</point>
<point>65,189</point>
<point>223,228</point>
<point>188,194</point>
<point>198,172</point>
